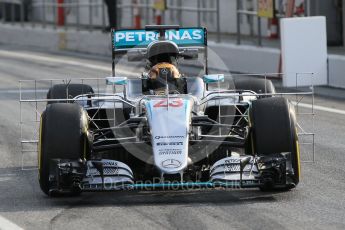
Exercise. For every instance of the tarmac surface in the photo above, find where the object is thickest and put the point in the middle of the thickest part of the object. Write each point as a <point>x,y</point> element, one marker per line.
<point>317,203</point>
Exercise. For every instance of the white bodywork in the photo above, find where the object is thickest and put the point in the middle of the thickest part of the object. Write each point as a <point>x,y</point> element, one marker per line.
<point>169,121</point>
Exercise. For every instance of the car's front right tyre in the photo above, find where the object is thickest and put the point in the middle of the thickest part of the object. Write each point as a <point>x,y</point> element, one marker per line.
<point>274,131</point>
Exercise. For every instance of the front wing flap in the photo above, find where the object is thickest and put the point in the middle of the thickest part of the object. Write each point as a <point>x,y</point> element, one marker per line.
<point>230,172</point>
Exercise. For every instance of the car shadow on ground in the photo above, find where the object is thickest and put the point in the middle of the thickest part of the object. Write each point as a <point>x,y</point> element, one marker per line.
<point>180,197</point>
<point>20,191</point>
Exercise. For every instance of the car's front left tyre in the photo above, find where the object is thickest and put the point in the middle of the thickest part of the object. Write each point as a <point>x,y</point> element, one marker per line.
<point>62,136</point>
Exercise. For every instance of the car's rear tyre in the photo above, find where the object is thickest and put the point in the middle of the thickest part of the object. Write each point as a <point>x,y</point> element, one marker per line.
<point>274,131</point>
<point>62,136</point>
<point>67,91</point>
<point>257,85</point>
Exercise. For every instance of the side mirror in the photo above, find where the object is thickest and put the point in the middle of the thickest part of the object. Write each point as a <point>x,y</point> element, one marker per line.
<point>213,78</point>
<point>116,80</point>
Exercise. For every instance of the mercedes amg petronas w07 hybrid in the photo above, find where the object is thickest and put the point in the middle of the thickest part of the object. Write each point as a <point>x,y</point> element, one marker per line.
<point>166,128</point>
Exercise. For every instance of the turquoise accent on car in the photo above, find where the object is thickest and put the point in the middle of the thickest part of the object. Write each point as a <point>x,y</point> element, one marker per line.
<point>116,80</point>
<point>125,39</point>
<point>213,78</point>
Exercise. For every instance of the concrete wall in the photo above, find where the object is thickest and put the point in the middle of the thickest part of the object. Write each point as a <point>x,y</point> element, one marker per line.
<point>336,68</point>
<point>54,40</point>
<point>244,59</point>
<point>247,59</point>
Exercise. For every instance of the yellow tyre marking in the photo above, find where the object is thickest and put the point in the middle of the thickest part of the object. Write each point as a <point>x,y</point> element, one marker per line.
<point>298,159</point>
<point>40,148</point>
<point>85,140</point>
<point>85,128</point>
<point>298,154</point>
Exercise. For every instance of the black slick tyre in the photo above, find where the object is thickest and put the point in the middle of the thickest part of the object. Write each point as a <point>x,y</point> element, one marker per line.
<point>62,136</point>
<point>274,131</point>
<point>257,85</point>
<point>67,91</point>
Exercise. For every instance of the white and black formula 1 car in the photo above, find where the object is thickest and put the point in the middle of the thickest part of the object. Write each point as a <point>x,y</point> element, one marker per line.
<point>166,129</point>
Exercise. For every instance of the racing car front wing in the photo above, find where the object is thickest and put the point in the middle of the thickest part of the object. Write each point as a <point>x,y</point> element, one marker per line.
<point>231,172</point>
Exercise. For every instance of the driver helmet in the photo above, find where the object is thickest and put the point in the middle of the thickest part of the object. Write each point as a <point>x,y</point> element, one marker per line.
<point>162,51</point>
<point>162,56</point>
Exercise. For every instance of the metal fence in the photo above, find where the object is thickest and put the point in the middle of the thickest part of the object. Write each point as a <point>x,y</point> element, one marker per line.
<point>91,14</point>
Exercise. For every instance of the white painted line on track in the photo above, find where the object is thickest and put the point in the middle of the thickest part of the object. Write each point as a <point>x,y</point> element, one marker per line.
<point>36,57</point>
<point>16,91</point>
<point>322,108</point>
<point>103,68</point>
<point>8,225</point>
